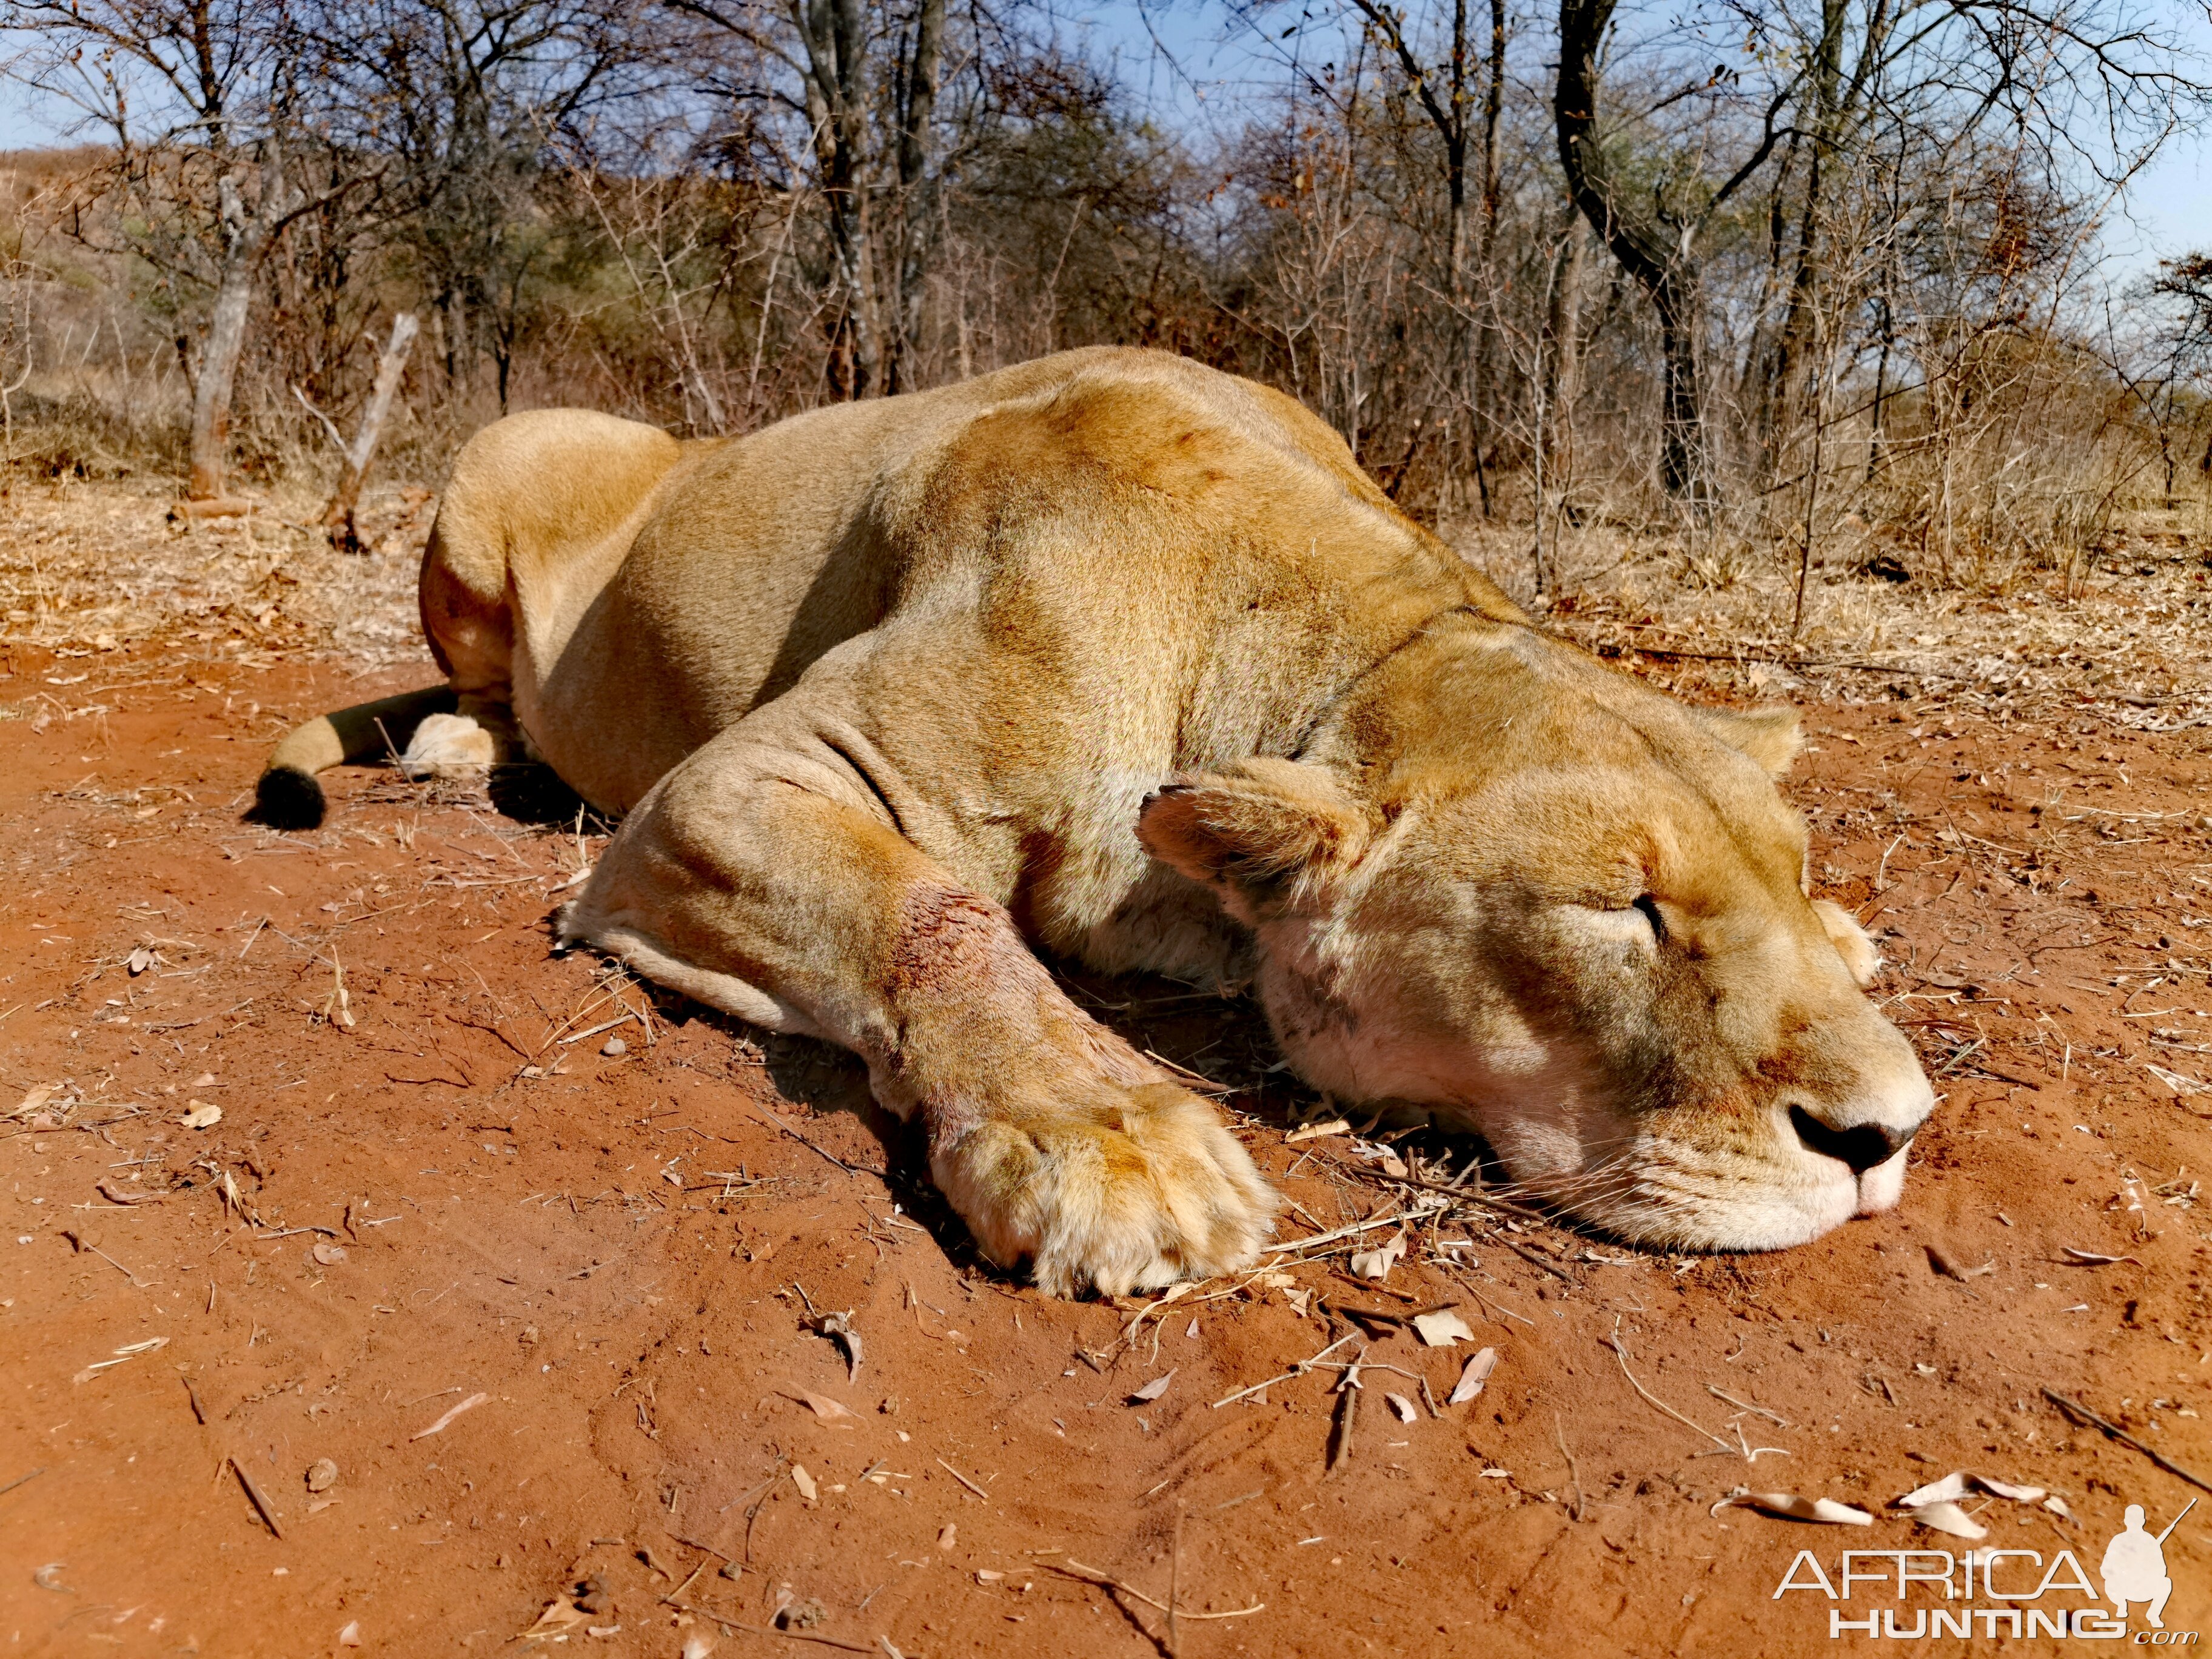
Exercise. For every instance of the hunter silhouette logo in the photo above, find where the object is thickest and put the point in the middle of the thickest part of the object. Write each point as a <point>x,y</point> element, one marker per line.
<point>1995,1592</point>
<point>2133,1567</point>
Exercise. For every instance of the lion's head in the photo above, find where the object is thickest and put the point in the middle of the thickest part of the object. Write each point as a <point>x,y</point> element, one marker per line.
<point>1513,888</point>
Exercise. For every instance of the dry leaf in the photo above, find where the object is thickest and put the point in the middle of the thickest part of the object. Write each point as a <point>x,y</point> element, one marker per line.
<point>202,1116</point>
<point>350,1636</point>
<point>1335,1126</point>
<point>944,1539</point>
<point>38,1098</point>
<point>329,1254</point>
<point>1954,1486</point>
<point>141,960</point>
<point>1474,1376</point>
<point>1442,1329</point>
<point>1790,1507</point>
<point>322,1474</point>
<point>1153,1390</point>
<point>1949,1490</point>
<point>1377,1263</point>
<point>697,1646</point>
<point>2091,1259</point>
<point>2057,1505</point>
<point>1406,1408</point>
<point>823,1407</point>
<point>559,1618</point>
<point>804,1481</point>
<point>1394,1166</point>
<point>1949,1518</point>
<point>1275,1281</point>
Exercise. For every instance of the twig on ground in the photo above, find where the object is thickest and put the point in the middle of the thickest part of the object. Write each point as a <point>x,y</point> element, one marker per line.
<point>850,1169</point>
<point>260,1504</point>
<point>1075,1569</point>
<point>1299,1370</point>
<point>1653,1399</point>
<point>961,1479</point>
<point>2082,1414</point>
<point>1574,1473</point>
<point>1535,1261</point>
<point>1756,1410</point>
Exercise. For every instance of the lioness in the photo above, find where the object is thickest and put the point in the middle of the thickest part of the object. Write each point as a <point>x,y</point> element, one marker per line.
<point>1126,658</point>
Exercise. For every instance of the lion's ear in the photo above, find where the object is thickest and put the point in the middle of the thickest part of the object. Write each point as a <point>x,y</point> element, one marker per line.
<point>1771,736</point>
<point>1261,833</point>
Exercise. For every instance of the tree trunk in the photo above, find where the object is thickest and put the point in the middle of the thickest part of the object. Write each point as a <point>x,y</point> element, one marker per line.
<point>390,364</point>
<point>1684,470</point>
<point>1562,355</point>
<point>1663,266</point>
<point>243,237</point>
<point>1797,325</point>
<point>833,35</point>
<point>920,78</point>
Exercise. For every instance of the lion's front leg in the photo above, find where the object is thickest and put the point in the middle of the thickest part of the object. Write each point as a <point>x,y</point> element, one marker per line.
<point>770,883</point>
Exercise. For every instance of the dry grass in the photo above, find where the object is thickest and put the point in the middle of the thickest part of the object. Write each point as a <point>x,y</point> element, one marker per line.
<point>100,566</point>
<point>95,566</point>
<point>2123,633</point>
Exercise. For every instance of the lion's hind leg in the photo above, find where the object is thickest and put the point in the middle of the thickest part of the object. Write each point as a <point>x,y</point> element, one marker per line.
<point>287,797</point>
<point>479,734</point>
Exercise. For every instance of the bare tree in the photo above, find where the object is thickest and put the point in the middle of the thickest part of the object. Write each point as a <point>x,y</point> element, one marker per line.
<point>184,92</point>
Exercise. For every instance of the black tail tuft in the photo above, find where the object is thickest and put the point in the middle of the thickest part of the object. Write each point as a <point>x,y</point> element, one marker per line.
<point>287,798</point>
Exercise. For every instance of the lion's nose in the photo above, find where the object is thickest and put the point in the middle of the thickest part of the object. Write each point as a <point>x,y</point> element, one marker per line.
<point>1862,1145</point>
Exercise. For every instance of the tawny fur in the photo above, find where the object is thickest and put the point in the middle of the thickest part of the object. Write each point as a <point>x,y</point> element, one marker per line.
<point>1127,659</point>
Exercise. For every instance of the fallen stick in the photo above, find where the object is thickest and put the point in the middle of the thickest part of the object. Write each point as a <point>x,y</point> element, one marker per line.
<point>1299,1370</point>
<point>260,1504</point>
<point>1621,1354</point>
<point>1535,1261</point>
<point>468,1404</point>
<point>777,1119</point>
<point>963,1479</point>
<point>2082,1414</point>
<point>1573,1474</point>
<point>1075,1569</point>
<point>1342,1232</point>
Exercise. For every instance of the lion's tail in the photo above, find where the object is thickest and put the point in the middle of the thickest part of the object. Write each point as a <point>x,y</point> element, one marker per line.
<point>289,797</point>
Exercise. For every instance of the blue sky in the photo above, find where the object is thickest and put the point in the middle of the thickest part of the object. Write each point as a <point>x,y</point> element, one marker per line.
<point>2167,209</point>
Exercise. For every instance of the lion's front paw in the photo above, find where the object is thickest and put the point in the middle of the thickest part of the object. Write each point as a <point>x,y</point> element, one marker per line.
<point>1127,1198</point>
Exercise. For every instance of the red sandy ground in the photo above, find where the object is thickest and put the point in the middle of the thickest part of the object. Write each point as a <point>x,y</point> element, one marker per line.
<point>622,1255</point>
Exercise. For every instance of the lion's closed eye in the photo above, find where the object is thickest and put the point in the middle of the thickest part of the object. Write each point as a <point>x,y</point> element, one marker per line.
<point>1638,922</point>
